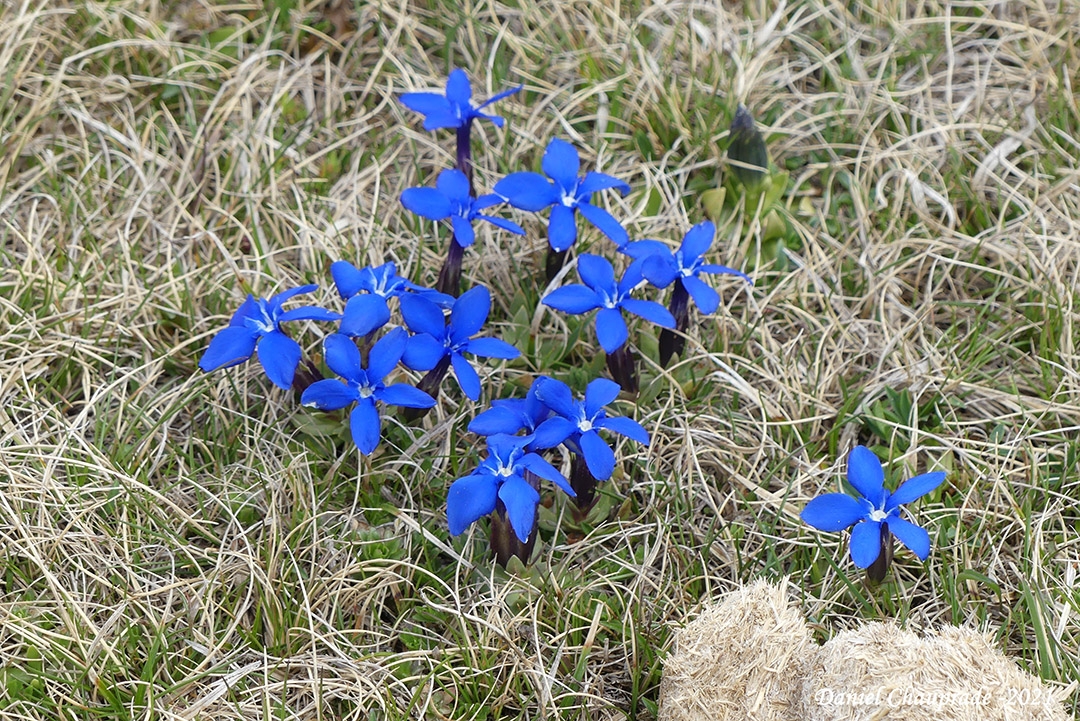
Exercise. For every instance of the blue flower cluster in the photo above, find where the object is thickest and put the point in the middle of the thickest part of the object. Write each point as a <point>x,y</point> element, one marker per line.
<point>255,328</point>
<point>441,329</point>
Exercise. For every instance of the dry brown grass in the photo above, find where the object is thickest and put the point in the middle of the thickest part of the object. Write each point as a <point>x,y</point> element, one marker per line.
<point>174,545</point>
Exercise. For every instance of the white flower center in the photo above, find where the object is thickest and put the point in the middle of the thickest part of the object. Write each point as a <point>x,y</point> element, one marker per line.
<point>568,200</point>
<point>365,391</point>
<point>504,471</point>
<point>585,426</point>
<point>878,515</point>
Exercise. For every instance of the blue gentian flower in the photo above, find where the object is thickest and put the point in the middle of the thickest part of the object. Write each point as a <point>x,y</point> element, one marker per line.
<point>364,386</point>
<point>660,266</point>
<point>874,506</point>
<point>567,193</point>
<point>600,291</point>
<point>501,476</point>
<point>577,423</point>
<point>367,291</point>
<point>256,327</point>
<point>451,199</point>
<point>454,109</point>
<point>512,415</point>
<point>435,340</point>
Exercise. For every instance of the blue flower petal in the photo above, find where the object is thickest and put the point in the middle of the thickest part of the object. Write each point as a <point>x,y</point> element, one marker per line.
<point>425,103</point>
<point>914,537</point>
<point>342,356</point>
<point>593,182</point>
<point>365,426</point>
<point>706,299</point>
<point>308,313</point>
<point>364,313</point>
<point>423,316</point>
<point>650,311</point>
<point>573,299</point>
<point>466,376</point>
<point>458,89</point>
<point>625,427</point>
<point>503,223</point>
<point>275,303</point>
<point>443,119</point>
<point>865,474</point>
<point>833,512</point>
<point>498,419</point>
<point>537,465</point>
<point>468,500</point>
<point>469,313</point>
<point>229,347</point>
<point>562,228</point>
<point>659,269</point>
<point>561,164</point>
<point>248,309</point>
<point>596,272</point>
<point>556,395</point>
<point>464,235</point>
<point>503,447</point>
<point>527,191</point>
<point>866,543</point>
<point>697,240</point>
<point>453,184</point>
<point>487,201</point>
<point>491,348</point>
<point>495,119</point>
<point>599,457</point>
<point>328,395</point>
<point>598,394</point>
<point>426,202</point>
<point>604,222</point>
<point>347,278</point>
<point>631,277</point>
<point>405,395</point>
<point>279,355</point>
<point>423,352</point>
<point>914,488</point>
<point>611,329</point>
<point>552,432</point>
<point>520,500</point>
<point>645,248</point>
<point>386,353</point>
<point>499,96</point>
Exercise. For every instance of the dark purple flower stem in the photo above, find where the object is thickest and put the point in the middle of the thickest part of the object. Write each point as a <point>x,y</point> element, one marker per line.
<point>584,486</point>
<point>670,341</point>
<point>622,368</point>
<point>429,384</point>
<point>504,542</point>
<point>449,280</point>
<point>877,570</point>
<point>554,262</point>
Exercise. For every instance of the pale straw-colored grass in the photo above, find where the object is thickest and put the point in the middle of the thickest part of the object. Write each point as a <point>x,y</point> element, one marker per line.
<point>175,545</point>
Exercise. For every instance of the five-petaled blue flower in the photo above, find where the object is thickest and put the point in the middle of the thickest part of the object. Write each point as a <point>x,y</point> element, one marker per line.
<point>875,505</point>
<point>501,476</point>
<point>660,266</point>
<point>600,291</point>
<point>366,291</point>
<point>451,199</point>
<point>435,340</point>
<point>576,423</point>
<point>512,415</point>
<point>454,109</point>
<point>364,386</point>
<point>256,327</point>
<point>567,193</point>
